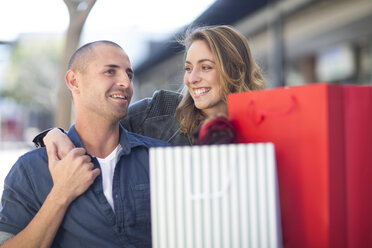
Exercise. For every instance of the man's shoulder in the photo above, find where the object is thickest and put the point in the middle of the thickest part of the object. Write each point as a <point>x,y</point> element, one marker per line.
<point>29,170</point>
<point>30,161</point>
<point>32,164</point>
<point>35,155</point>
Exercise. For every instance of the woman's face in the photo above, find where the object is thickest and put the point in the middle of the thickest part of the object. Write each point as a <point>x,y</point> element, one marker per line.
<point>202,79</point>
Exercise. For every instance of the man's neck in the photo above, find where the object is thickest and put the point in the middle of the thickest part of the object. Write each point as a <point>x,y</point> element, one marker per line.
<point>99,139</point>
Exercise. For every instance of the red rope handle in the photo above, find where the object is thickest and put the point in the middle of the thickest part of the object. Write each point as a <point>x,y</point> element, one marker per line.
<point>262,115</point>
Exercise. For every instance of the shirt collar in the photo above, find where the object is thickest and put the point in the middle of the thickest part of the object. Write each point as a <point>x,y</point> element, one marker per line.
<point>127,141</point>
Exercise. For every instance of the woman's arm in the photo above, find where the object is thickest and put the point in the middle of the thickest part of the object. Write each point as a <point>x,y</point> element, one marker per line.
<point>153,117</point>
<point>137,113</point>
<point>58,138</point>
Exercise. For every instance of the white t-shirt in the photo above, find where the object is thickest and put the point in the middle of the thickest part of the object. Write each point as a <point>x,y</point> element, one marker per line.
<point>107,171</point>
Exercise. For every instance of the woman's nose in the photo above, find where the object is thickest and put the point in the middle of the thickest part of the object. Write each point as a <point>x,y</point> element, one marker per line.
<point>194,76</point>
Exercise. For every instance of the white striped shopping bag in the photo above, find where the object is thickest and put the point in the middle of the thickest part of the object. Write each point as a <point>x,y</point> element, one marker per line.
<point>214,196</point>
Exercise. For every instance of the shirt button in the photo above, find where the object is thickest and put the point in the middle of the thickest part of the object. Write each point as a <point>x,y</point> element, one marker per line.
<point>116,196</point>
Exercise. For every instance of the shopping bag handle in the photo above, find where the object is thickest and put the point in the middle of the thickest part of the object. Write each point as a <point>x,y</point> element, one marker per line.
<point>262,115</point>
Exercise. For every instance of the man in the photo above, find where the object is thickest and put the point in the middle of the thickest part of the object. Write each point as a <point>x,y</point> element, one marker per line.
<point>94,199</point>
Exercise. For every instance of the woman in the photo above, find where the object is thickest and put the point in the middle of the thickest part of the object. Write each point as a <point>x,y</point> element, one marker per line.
<point>218,62</point>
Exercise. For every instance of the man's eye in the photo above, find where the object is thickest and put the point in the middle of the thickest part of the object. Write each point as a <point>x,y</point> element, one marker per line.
<point>110,71</point>
<point>130,76</point>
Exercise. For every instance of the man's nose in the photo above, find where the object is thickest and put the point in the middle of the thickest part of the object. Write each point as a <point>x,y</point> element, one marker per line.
<point>124,80</point>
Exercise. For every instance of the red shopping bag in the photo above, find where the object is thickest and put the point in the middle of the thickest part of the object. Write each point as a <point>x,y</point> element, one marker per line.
<point>323,141</point>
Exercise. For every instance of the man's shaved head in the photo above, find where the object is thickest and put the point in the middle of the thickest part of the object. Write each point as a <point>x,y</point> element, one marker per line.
<point>81,57</point>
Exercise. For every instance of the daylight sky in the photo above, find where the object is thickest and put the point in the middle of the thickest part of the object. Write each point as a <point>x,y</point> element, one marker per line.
<point>130,23</point>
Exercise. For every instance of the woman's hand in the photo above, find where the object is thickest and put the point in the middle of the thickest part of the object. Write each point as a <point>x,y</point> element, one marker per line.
<point>60,140</point>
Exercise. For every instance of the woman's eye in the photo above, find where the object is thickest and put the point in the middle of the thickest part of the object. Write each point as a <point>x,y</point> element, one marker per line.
<point>206,67</point>
<point>187,68</point>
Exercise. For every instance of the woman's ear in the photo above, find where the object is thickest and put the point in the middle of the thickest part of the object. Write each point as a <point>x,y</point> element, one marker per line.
<point>72,82</point>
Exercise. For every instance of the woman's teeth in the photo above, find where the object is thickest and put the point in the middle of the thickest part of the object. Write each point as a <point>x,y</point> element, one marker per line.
<point>198,92</point>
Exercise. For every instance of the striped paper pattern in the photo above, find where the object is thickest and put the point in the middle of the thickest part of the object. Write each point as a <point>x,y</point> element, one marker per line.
<point>214,196</point>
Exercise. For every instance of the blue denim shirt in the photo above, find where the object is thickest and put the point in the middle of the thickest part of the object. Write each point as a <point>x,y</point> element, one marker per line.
<point>89,220</point>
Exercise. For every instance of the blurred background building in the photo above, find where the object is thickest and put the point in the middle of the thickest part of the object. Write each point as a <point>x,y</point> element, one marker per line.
<point>29,66</point>
<point>295,42</point>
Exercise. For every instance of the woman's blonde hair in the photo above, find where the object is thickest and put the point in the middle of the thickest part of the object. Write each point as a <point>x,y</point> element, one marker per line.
<point>237,69</point>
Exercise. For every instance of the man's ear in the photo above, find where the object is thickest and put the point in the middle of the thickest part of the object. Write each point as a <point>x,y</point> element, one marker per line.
<point>72,82</point>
